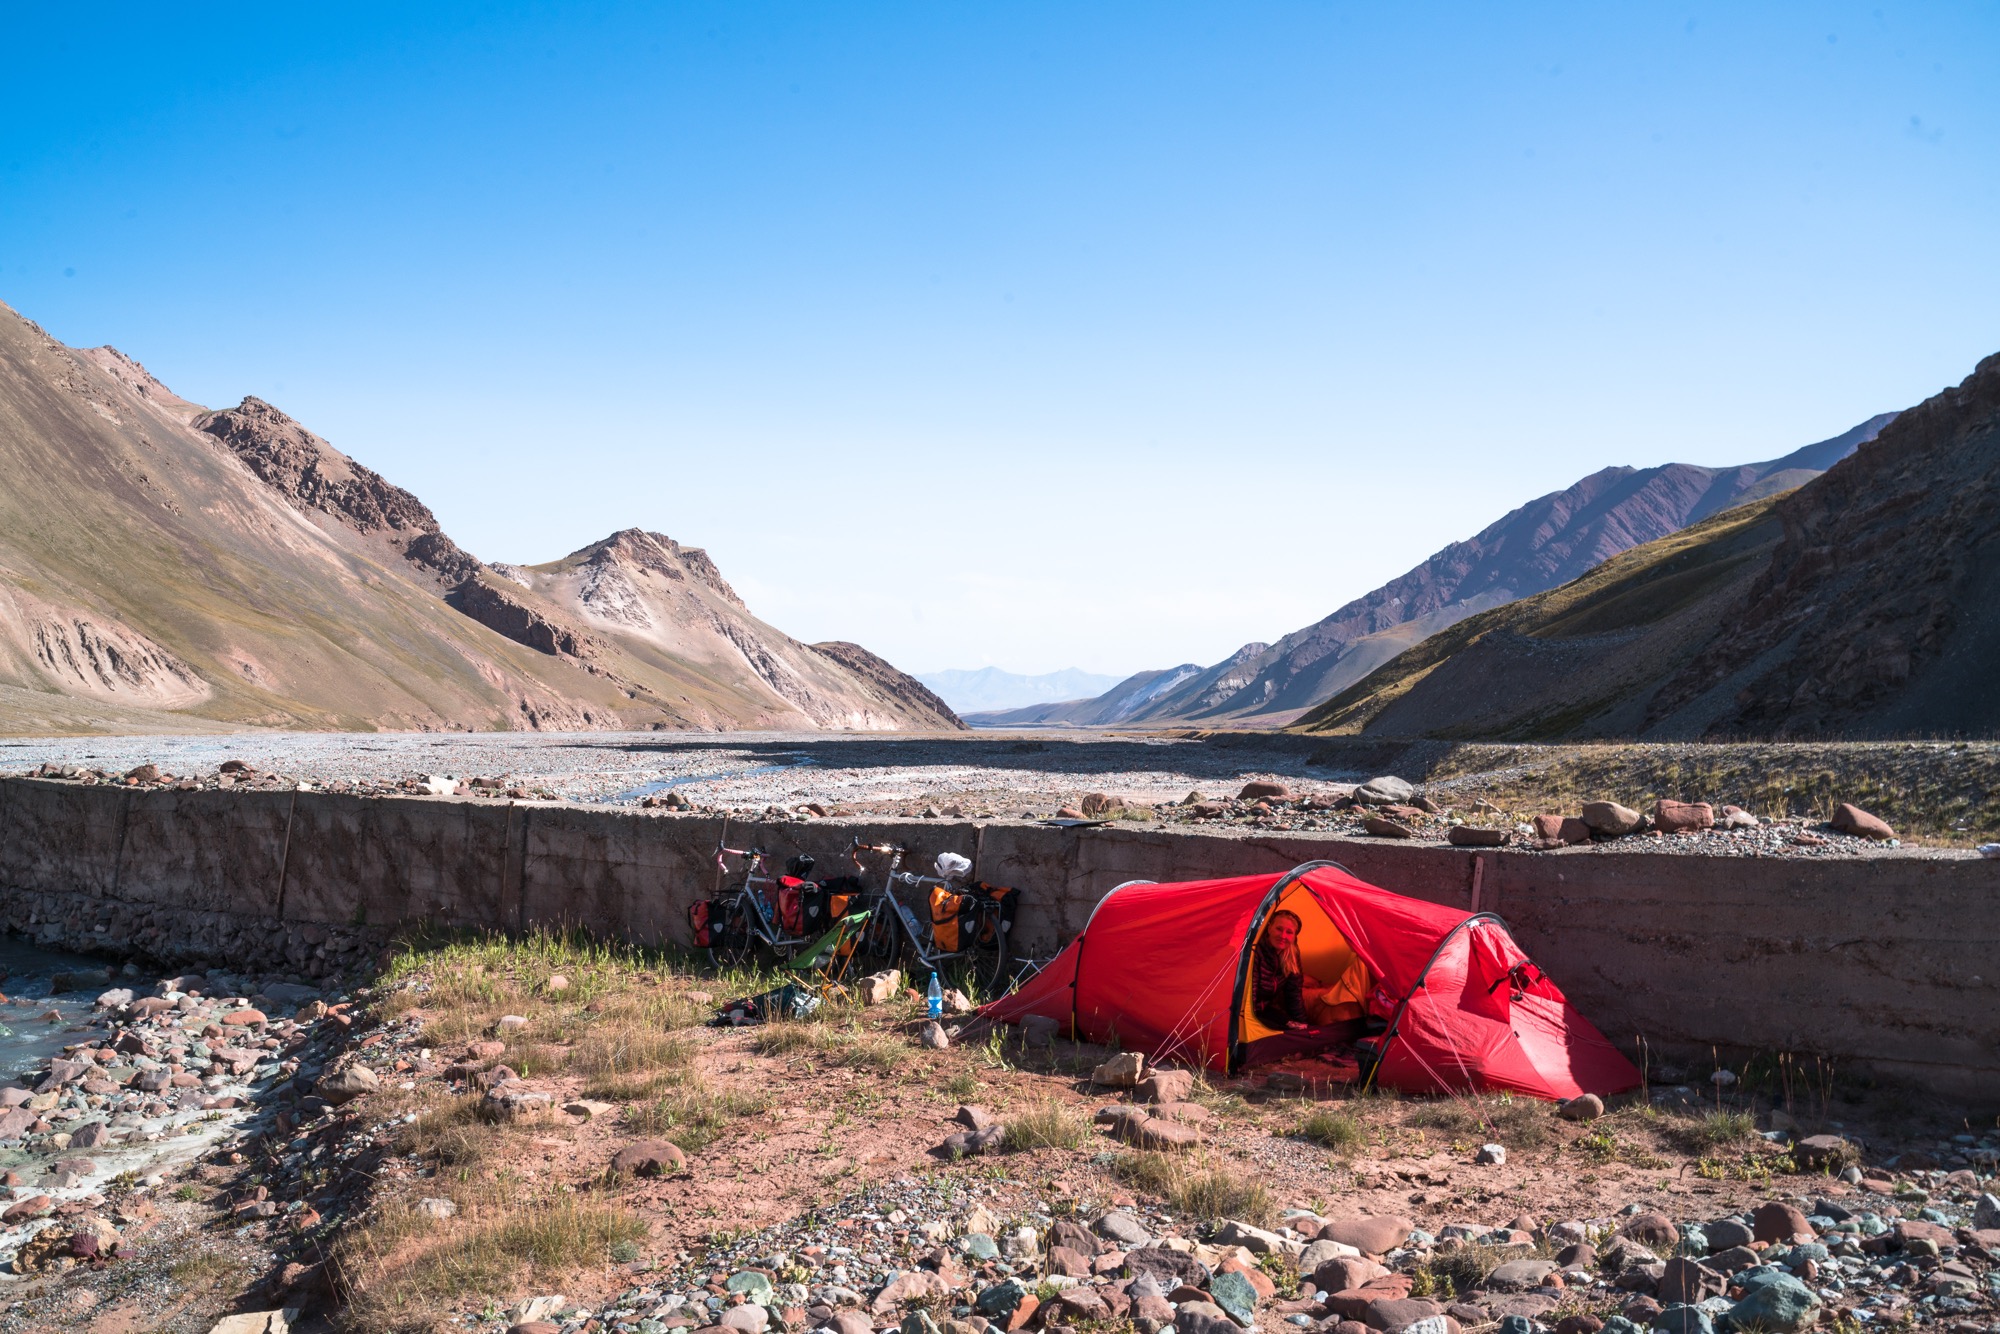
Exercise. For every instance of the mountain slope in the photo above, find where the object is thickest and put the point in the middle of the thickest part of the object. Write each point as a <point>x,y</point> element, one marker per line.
<point>164,566</point>
<point>1861,604</point>
<point>1543,544</point>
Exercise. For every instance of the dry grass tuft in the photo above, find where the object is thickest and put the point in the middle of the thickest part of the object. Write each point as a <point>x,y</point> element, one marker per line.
<point>1204,1191</point>
<point>403,1270</point>
<point>1339,1131</point>
<point>1049,1125</point>
<point>693,1113</point>
<point>1518,1123</point>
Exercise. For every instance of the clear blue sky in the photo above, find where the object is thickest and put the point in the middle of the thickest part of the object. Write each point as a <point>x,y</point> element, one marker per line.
<point>1106,336</point>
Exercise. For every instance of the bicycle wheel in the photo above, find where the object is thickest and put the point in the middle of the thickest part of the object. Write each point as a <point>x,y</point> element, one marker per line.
<point>735,939</point>
<point>881,942</point>
<point>987,959</point>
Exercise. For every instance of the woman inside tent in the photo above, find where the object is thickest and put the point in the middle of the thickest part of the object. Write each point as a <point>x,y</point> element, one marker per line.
<point>1283,996</point>
<point>1309,1014</point>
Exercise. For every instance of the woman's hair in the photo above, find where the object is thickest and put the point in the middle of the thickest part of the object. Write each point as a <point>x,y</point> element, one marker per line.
<point>1290,958</point>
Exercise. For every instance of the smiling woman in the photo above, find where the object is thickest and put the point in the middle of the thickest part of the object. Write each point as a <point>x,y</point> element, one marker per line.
<point>1005,334</point>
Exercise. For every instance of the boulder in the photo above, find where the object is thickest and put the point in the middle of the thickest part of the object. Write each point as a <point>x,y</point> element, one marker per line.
<point>1122,1071</point>
<point>1165,1086</point>
<point>1237,1295</point>
<point>1259,788</point>
<point>1148,1132</point>
<point>1610,819</point>
<point>1519,1275</point>
<point>1257,1241</point>
<point>1384,791</point>
<point>1073,1236</point>
<point>1561,829</point>
<point>1726,1233</point>
<point>1399,1313</point>
<point>1851,819</point>
<point>1689,1282</point>
<point>1777,1221</point>
<point>1342,1272</point>
<point>1822,1153</point>
<point>1471,836</point>
<point>1383,827</point>
<point>880,988</point>
<point>1197,1317</point>
<point>1122,1228</point>
<point>1783,1305</point>
<point>1735,817</point>
<point>1371,1234</point>
<point>344,1086</point>
<point>1650,1229</point>
<point>256,1322</point>
<point>649,1158</point>
<point>514,1101</point>
<point>1682,817</point>
<point>1168,1268</point>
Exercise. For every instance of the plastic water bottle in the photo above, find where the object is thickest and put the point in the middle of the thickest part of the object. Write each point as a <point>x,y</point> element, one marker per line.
<point>936,994</point>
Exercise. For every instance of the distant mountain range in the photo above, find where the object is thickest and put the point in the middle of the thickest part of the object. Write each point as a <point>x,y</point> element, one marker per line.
<point>1542,545</point>
<point>1864,604</point>
<point>992,688</point>
<point>164,567</point>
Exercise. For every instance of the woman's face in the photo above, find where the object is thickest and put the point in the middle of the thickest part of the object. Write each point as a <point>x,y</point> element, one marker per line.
<point>1284,933</point>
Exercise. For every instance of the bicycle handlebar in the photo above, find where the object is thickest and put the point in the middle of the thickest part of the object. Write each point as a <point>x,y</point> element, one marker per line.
<point>754,854</point>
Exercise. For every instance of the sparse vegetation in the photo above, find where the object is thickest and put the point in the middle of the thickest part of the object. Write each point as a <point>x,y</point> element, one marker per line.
<point>1340,1131</point>
<point>1202,1190</point>
<point>403,1269</point>
<point>1518,1123</point>
<point>1711,1130</point>
<point>1047,1126</point>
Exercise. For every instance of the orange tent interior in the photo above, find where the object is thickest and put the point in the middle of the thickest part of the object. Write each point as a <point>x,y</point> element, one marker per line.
<point>1328,961</point>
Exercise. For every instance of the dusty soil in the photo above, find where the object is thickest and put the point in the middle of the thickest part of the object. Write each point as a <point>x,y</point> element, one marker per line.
<point>812,1155</point>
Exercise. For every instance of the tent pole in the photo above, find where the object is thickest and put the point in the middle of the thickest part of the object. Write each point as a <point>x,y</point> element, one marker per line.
<point>1396,1019</point>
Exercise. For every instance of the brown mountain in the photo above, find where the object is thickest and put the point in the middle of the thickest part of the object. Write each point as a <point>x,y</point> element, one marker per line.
<point>1861,604</point>
<point>165,567</point>
<point>1545,543</point>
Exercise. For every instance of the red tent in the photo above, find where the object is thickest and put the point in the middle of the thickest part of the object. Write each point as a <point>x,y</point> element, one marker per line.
<point>1165,969</point>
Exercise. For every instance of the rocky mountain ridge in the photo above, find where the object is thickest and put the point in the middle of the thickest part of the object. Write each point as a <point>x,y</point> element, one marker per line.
<point>1860,604</point>
<point>167,567</point>
<point>1540,545</point>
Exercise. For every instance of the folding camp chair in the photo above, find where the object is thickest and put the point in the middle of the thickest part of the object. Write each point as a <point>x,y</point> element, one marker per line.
<point>829,957</point>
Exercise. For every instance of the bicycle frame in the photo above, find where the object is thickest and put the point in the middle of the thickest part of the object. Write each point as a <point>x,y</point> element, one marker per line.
<point>886,907</point>
<point>749,894</point>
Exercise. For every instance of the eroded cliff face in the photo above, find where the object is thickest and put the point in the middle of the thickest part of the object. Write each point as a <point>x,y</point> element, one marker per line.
<point>312,474</point>
<point>172,562</point>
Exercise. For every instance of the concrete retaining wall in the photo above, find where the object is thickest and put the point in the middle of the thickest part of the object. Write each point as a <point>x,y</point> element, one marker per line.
<point>1890,964</point>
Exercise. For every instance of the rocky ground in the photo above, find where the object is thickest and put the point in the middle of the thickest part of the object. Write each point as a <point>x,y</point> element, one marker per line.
<point>1237,783</point>
<point>546,1136</point>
